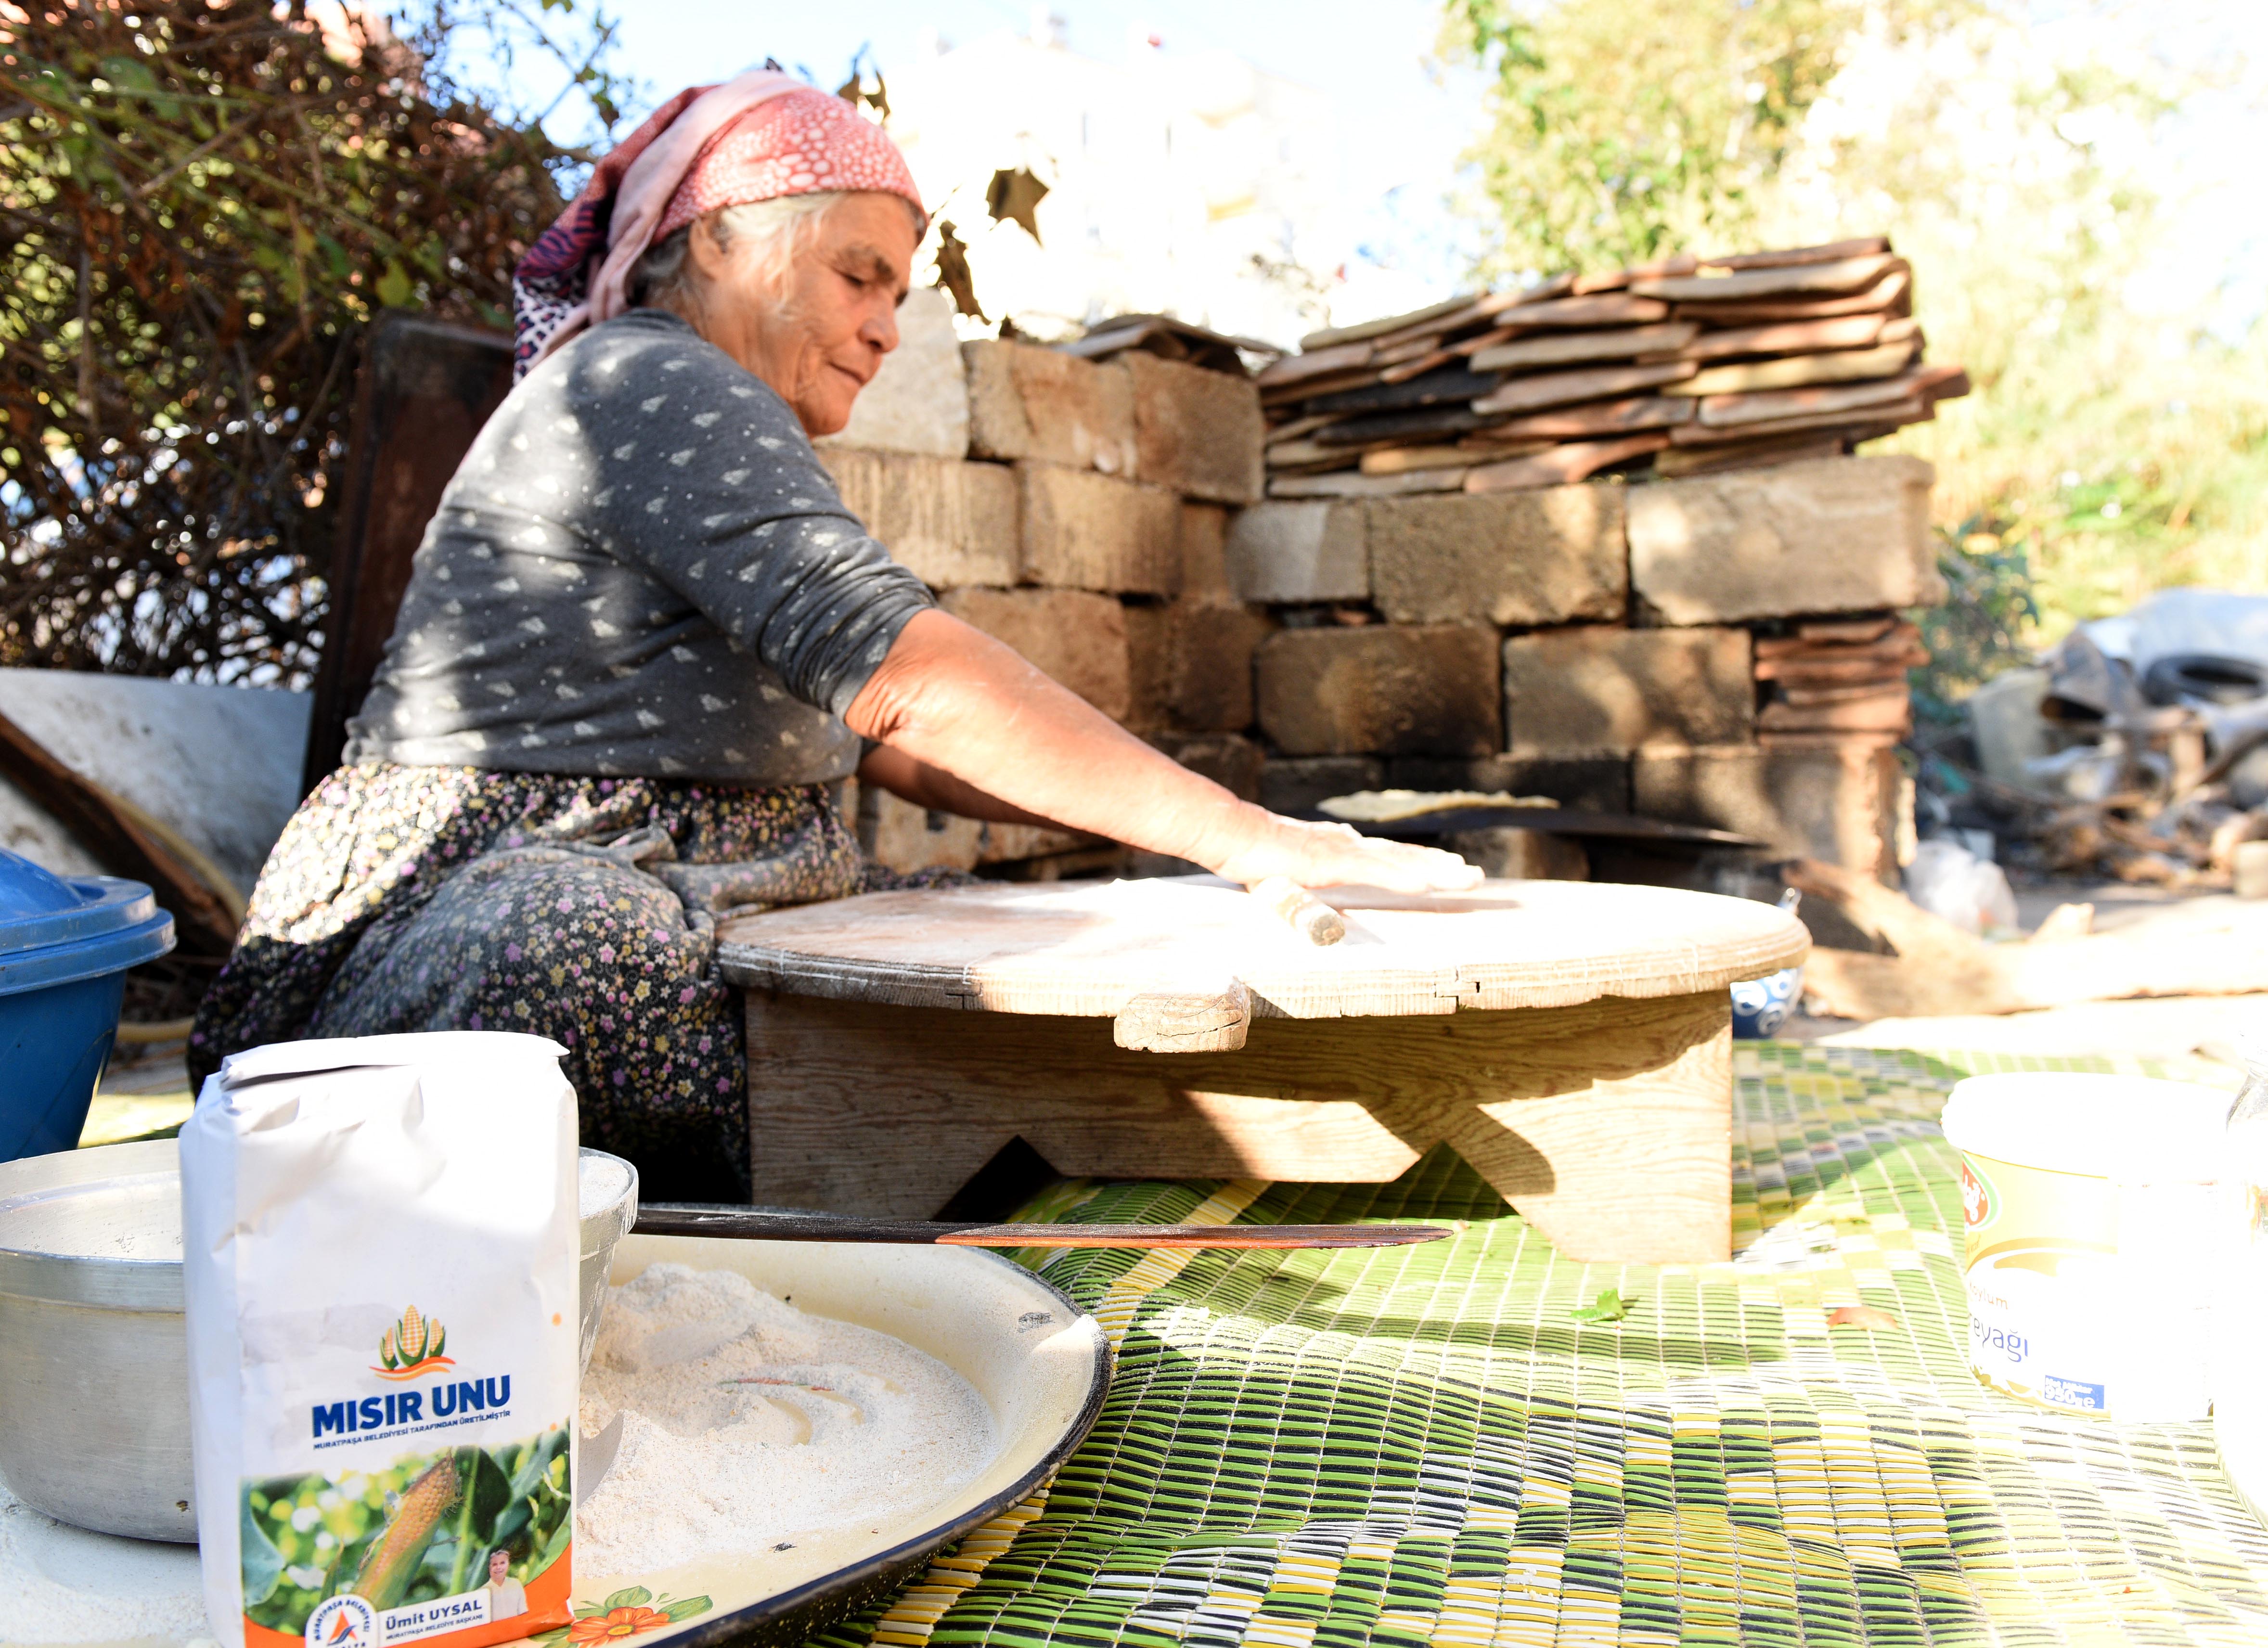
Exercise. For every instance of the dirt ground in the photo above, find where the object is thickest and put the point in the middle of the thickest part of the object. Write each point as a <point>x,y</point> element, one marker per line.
<point>2201,1030</point>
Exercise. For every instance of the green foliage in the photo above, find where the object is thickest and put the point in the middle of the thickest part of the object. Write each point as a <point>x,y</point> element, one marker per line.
<point>418,1529</point>
<point>1623,131</point>
<point>2106,450</point>
<point>2127,450</point>
<point>2120,466</point>
<point>1988,619</point>
<point>631,1611</point>
<point>202,204</point>
<point>1609,1307</point>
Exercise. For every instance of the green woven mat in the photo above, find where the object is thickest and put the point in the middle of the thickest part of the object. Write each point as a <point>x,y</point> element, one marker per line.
<point>1423,1446</point>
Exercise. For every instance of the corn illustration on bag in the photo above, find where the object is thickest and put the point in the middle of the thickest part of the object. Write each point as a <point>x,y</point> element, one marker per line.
<point>379,1264</point>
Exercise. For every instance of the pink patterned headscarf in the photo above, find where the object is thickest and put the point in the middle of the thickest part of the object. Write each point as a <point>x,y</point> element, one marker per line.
<point>761,136</point>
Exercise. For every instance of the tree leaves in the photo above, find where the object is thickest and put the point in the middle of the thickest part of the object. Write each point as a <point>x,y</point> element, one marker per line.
<point>263,1563</point>
<point>1609,1307</point>
<point>202,204</point>
<point>1624,129</point>
<point>1014,197</point>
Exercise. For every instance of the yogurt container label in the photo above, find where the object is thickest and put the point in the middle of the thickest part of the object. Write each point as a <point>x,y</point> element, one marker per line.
<point>2068,1306</point>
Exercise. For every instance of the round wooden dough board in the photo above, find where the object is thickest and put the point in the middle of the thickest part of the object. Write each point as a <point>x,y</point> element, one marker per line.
<point>1087,948</point>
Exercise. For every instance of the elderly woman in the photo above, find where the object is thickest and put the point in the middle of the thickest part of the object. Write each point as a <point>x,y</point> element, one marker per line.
<point>642,638</point>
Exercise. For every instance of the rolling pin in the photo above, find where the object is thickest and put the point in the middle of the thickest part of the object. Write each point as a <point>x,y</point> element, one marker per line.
<point>1306,915</point>
<point>693,1218</point>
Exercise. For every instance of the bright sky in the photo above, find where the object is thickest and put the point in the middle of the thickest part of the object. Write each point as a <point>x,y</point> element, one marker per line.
<point>1407,119</point>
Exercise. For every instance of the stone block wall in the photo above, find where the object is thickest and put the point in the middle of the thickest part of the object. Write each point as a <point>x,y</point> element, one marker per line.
<point>1591,643</point>
<point>1081,512</point>
<point>1595,644</point>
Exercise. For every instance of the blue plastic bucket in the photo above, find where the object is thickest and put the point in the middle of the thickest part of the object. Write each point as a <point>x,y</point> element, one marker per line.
<point>65,945</point>
<point>1760,1006</point>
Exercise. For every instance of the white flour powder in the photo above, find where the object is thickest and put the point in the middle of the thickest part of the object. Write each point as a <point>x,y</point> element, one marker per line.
<point>60,1585</point>
<point>748,1424</point>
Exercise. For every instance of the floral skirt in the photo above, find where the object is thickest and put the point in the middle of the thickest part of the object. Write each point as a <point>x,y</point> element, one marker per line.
<point>580,909</point>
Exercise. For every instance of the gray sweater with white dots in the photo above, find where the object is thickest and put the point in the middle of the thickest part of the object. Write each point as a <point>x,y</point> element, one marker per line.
<point>640,568</point>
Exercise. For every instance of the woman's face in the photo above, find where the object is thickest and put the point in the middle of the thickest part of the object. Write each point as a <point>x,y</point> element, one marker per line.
<point>819,338</point>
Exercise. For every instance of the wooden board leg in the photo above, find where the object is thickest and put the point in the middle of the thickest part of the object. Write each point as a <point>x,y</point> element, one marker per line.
<point>887,1111</point>
<point>1607,1124</point>
<point>830,1127</point>
<point>1635,1167</point>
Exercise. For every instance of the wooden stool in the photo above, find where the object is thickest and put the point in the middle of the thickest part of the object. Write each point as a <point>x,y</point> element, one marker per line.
<point>1571,1040</point>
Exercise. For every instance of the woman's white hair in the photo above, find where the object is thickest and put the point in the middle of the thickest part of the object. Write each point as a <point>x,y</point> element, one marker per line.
<point>771,232</point>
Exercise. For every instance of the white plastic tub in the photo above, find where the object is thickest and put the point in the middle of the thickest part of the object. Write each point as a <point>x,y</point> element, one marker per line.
<point>2090,1213</point>
<point>2239,1407</point>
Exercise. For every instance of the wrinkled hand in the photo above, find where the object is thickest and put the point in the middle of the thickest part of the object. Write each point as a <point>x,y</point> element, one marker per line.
<point>1338,855</point>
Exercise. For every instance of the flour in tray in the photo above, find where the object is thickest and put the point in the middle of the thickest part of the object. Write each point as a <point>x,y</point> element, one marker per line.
<point>747,1423</point>
<point>62,1584</point>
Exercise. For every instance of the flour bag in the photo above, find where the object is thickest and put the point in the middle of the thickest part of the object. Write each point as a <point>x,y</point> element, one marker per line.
<point>380,1259</point>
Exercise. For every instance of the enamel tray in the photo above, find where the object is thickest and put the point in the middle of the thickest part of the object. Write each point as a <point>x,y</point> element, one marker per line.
<point>1040,1363</point>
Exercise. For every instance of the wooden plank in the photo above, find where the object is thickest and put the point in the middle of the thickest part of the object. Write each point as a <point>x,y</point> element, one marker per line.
<point>426,389</point>
<point>1619,280</point>
<point>1424,421</point>
<point>1352,483</point>
<point>1292,369</point>
<point>1404,460</point>
<point>1430,332</point>
<point>1863,637</point>
<point>1887,294</point>
<point>1795,372</point>
<point>1214,1019</point>
<point>1333,336</point>
<point>1606,1123</point>
<point>1432,360</point>
<point>1789,337</point>
<point>1801,280</point>
<point>1934,384</point>
<point>118,840</point>
<point>1847,693</point>
<point>1451,384</point>
<point>1940,970</point>
<point>1589,421</point>
<point>1560,465</point>
<point>1598,383</point>
<point>1876,712</point>
<point>1832,251</point>
<point>1853,426</point>
<point>1639,1162</point>
<point>1385,353</point>
<point>1489,339</point>
<point>1556,349</point>
<point>1690,460</point>
<point>1307,454</point>
<point>1850,630</point>
<point>1295,428</point>
<point>1087,949</point>
<point>1330,382</point>
<point>1815,672</point>
<point>1603,309</point>
<point>1771,405</point>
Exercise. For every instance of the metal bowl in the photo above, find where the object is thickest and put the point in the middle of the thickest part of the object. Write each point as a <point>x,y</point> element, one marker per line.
<point>94,1372</point>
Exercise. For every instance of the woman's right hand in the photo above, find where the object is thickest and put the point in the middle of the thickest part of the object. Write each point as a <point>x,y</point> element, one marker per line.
<point>1337,855</point>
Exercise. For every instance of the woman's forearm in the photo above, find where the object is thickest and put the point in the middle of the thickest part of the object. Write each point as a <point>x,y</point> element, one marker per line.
<point>949,697</point>
<point>952,699</point>
<point>930,786</point>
